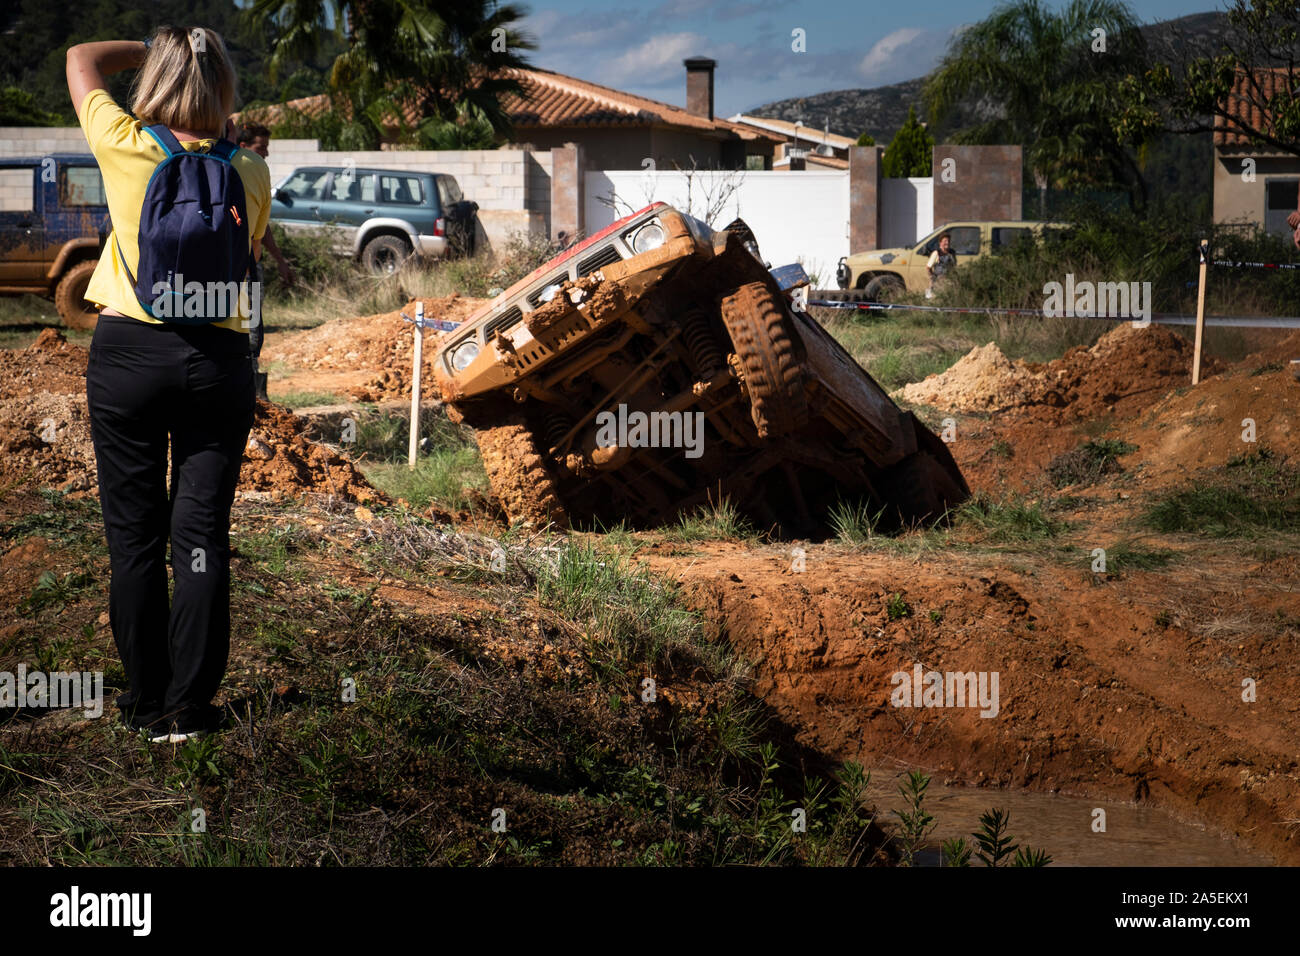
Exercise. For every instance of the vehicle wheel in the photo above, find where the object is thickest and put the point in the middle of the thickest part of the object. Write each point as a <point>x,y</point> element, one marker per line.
<point>70,297</point>
<point>384,255</point>
<point>928,482</point>
<point>519,477</point>
<point>884,288</point>
<point>770,359</point>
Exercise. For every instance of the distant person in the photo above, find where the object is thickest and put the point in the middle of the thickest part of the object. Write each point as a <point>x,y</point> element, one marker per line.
<point>942,261</point>
<point>158,387</point>
<point>257,138</point>
<point>1293,221</point>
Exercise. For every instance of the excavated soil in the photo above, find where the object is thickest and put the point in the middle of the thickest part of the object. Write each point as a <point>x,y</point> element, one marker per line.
<point>1130,688</point>
<point>366,357</point>
<point>45,434</point>
<point>1205,427</point>
<point>1125,371</point>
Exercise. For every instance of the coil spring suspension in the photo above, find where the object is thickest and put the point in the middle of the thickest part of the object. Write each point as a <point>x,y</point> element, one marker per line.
<point>701,343</point>
<point>555,425</point>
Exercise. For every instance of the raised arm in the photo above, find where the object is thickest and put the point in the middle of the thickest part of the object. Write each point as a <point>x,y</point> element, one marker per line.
<point>89,63</point>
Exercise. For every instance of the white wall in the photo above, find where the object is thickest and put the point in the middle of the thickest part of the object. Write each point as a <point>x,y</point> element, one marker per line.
<point>907,211</point>
<point>798,216</point>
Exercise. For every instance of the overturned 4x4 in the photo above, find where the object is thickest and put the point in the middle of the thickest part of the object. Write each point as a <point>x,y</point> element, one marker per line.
<point>658,366</point>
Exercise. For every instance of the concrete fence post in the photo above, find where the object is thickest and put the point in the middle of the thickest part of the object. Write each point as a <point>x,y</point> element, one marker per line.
<point>864,197</point>
<point>567,191</point>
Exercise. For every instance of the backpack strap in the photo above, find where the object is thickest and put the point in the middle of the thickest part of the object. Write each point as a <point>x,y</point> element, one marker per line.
<point>170,144</point>
<point>223,149</point>
<point>122,259</point>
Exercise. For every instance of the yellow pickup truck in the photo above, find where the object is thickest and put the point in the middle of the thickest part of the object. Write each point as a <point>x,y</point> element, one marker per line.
<point>881,273</point>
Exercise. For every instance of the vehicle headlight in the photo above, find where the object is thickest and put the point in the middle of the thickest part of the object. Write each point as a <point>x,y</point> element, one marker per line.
<point>650,236</point>
<point>462,355</point>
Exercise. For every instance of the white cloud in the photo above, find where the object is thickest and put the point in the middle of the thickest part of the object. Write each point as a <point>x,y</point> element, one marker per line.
<point>656,58</point>
<point>902,55</point>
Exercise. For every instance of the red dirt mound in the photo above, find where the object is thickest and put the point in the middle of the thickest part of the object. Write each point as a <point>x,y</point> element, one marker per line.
<point>1127,370</point>
<point>372,342</point>
<point>45,433</point>
<point>280,462</point>
<point>1208,425</point>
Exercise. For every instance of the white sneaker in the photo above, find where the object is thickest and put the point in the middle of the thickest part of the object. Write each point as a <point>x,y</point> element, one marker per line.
<point>170,738</point>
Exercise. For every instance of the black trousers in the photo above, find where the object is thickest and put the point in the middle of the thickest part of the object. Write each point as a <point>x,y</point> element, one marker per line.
<point>148,385</point>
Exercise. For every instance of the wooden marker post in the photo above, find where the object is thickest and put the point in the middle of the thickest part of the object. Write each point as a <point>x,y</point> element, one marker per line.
<point>1200,313</point>
<point>415,385</point>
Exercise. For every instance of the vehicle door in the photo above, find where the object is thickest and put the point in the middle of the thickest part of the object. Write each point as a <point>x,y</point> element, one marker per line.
<point>298,200</point>
<point>23,256</point>
<point>402,196</point>
<point>81,205</point>
<point>460,215</point>
<point>1005,238</point>
<point>349,201</point>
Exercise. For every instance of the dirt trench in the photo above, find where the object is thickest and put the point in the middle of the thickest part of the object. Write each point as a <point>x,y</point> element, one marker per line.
<point>1129,689</point>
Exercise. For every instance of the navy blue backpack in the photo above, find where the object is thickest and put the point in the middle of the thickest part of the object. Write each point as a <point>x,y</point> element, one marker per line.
<point>193,228</point>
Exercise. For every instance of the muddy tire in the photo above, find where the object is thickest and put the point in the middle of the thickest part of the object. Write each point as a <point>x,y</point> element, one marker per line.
<point>385,255</point>
<point>884,288</point>
<point>520,480</point>
<point>69,297</point>
<point>770,360</point>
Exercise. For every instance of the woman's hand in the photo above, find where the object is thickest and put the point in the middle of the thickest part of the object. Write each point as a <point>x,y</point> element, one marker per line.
<point>89,63</point>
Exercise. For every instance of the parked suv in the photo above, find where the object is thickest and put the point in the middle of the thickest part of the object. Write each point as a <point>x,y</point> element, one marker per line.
<point>379,216</point>
<point>51,208</point>
<point>659,322</point>
<point>882,272</point>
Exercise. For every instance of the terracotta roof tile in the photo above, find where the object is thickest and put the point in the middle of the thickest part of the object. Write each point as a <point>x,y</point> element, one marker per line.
<point>554,100</point>
<point>1245,104</point>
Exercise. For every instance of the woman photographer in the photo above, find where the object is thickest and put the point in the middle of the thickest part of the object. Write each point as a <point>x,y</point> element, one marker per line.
<point>154,386</point>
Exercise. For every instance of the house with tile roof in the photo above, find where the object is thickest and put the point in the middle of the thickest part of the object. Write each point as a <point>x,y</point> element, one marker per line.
<point>616,129</point>
<point>803,146</point>
<point>1255,185</point>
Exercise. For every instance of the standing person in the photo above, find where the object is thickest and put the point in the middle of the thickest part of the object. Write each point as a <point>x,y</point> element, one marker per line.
<point>255,137</point>
<point>151,381</point>
<point>942,261</point>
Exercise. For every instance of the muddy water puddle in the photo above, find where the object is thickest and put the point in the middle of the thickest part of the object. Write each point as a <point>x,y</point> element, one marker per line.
<point>1062,826</point>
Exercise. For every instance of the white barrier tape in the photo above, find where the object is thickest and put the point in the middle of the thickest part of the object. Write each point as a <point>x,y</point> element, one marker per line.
<point>1235,321</point>
<point>1242,264</point>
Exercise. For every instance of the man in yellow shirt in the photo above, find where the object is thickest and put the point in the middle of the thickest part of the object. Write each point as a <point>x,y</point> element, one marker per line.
<point>156,389</point>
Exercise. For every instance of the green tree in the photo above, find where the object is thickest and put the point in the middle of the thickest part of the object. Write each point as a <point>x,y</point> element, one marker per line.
<point>436,70</point>
<point>1050,81</point>
<point>911,151</point>
<point>1250,85</point>
<point>866,139</point>
<point>19,108</point>
<point>35,35</point>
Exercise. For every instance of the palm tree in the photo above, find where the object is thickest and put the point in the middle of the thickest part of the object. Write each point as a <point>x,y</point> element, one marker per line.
<point>442,60</point>
<point>1049,87</point>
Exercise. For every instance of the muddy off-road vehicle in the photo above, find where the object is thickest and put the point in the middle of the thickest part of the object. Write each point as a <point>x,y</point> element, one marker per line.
<point>51,209</point>
<point>658,367</point>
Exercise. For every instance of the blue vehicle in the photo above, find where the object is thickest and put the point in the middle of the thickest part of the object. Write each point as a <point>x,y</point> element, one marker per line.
<point>52,209</point>
<point>380,217</point>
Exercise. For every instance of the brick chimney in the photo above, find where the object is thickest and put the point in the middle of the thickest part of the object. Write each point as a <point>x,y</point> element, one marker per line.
<point>699,86</point>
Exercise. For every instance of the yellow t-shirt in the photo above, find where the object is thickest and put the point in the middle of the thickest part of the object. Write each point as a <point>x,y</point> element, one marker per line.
<point>127,157</point>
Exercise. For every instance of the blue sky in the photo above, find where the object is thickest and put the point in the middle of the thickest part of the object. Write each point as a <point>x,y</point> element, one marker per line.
<point>849,44</point>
